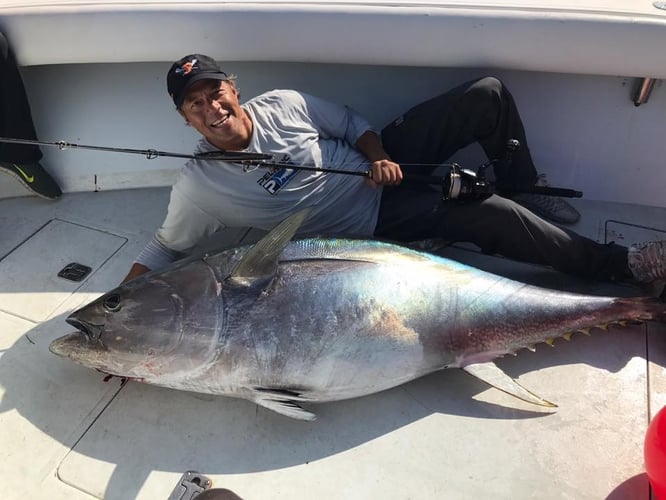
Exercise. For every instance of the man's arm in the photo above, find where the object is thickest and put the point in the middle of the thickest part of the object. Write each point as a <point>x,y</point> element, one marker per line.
<point>335,120</point>
<point>384,170</point>
<point>153,256</point>
<point>135,271</point>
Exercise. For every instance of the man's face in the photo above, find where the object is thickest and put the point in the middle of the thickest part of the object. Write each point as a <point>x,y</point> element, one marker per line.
<point>212,108</point>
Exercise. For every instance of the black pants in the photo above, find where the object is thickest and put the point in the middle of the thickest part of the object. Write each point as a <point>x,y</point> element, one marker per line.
<point>15,115</point>
<point>481,111</point>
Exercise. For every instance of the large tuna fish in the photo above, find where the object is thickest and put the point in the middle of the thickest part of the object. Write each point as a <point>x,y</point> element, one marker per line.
<point>284,322</point>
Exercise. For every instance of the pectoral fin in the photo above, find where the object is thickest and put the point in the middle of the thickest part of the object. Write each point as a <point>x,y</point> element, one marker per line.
<point>492,375</point>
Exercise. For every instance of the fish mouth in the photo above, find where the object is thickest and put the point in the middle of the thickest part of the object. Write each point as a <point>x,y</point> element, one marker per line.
<point>89,330</point>
<point>68,345</point>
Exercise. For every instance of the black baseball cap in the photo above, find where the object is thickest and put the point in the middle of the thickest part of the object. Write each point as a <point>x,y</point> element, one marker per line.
<point>190,69</point>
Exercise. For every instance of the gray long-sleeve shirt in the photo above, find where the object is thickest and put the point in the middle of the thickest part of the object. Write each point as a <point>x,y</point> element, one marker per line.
<point>297,128</point>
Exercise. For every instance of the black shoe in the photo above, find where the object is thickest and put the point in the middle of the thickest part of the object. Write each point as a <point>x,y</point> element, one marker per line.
<point>548,207</point>
<point>34,177</point>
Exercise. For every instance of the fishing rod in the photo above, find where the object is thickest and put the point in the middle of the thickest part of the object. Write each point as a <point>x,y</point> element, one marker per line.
<point>244,157</point>
<point>150,154</point>
<point>459,183</point>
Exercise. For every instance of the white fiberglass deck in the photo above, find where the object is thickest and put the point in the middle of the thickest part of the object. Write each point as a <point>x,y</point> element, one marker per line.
<point>67,433</point>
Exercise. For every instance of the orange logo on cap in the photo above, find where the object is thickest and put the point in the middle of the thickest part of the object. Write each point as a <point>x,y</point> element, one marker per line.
<point>187,68</point>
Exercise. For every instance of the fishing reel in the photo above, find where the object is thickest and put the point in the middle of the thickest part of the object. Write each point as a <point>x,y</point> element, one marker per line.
<point>464,184</point>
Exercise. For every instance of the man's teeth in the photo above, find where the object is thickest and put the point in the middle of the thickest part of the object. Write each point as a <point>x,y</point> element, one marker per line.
<point>219,122</point>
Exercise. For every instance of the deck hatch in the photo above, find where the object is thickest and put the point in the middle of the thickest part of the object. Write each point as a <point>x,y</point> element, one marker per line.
<point>625,233</point>
<point>31,276</point>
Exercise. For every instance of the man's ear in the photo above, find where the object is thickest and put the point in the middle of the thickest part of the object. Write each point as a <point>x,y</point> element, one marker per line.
<point>236,90</point>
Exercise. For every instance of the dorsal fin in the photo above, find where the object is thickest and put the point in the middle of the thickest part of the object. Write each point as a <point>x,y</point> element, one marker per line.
<point>260,262</point>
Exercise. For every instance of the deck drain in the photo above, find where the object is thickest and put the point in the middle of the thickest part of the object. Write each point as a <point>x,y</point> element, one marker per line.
<point>74,272</point>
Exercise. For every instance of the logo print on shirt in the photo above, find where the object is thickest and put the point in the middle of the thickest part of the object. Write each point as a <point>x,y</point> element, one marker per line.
<point>277,177</point>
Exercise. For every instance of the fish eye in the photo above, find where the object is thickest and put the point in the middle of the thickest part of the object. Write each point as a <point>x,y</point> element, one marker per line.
<point>112,303</point>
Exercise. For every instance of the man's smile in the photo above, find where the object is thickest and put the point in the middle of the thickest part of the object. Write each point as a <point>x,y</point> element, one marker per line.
<point>220,122</point>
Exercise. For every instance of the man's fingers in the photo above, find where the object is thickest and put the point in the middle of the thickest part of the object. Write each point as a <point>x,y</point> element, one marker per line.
<point>386,173</point>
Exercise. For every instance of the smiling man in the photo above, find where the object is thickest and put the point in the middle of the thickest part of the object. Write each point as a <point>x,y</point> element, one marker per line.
<point>299,129</point>
<point>211,106</point>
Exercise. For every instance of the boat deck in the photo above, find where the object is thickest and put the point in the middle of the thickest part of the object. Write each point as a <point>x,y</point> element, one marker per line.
<point>68,432</point>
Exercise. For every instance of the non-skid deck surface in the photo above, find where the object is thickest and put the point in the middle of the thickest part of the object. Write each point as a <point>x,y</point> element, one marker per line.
<point>65,432</point>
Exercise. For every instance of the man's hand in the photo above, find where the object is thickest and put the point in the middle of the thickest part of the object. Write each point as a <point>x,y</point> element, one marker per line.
<point>385,173</point>
<point>136,271</point>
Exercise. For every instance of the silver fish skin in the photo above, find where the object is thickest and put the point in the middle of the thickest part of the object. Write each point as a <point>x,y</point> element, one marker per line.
<point>312,320</point>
